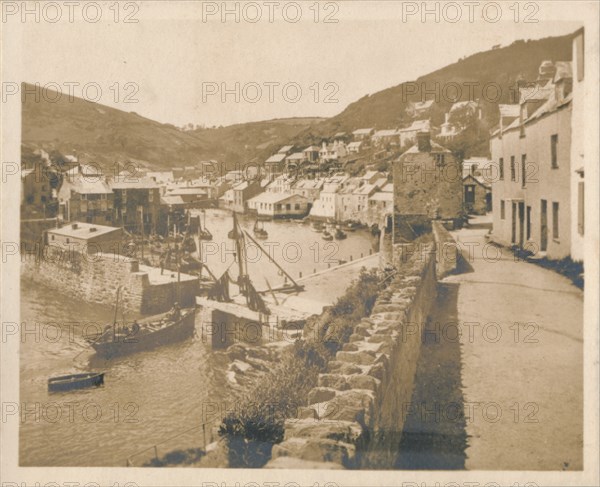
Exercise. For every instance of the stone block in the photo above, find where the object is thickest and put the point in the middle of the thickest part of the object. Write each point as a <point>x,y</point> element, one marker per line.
<point>333,381</point>
<point>320,394</point>
<point>358,358</point>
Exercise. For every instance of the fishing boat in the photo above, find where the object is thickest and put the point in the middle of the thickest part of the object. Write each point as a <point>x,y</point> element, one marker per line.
<point>340,234</point>
<point>203,232</point>
<point>327,235</point>
<point>318,227</point>
<point>75,381</point>
<point>151,332</point>
<point>259,231</point>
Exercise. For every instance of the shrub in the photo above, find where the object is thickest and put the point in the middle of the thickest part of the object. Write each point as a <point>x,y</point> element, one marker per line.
<point>259,421</point>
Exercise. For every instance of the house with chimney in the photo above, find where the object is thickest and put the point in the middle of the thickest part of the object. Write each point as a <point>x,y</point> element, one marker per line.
<point>408,135</point>
<point>427,186</point>
<point>532,190</point>
<point>85,196</point>
<point>581,91</point>
<point>85,237</point>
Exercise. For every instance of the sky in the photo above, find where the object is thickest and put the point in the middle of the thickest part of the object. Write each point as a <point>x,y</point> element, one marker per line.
<point>183,62</point>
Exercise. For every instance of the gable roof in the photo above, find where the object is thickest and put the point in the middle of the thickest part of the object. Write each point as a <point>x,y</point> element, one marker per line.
<point>279,157</point>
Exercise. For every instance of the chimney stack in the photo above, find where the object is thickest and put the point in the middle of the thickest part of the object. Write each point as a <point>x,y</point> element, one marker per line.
<point>424,141</point>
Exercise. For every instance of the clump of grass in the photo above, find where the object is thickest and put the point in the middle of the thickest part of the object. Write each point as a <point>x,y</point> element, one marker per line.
<point>259,421</point>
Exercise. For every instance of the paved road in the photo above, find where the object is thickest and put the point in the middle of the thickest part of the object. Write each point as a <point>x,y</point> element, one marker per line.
<point>508,392</point>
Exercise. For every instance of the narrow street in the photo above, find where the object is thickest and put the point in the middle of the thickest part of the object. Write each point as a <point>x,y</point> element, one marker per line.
<point>500,378</point>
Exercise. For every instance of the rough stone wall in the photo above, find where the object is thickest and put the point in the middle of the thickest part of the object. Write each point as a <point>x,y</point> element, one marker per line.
<point>447,251</point>
<point>355,415</point>
<point>95,278</point>
<point>426,186</point>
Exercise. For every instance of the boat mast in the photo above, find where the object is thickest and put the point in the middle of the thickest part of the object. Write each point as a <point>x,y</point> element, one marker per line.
<point>296,285</point>
<point>116,310</point>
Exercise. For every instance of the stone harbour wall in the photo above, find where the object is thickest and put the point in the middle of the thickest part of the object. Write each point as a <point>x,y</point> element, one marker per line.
<point>355,414</point>
<point>95,279</point>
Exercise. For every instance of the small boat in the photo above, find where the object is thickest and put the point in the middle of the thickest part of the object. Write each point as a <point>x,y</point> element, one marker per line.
<point>318,227</point>
<point>327,235</point>
<point>260,232</point>
<point>203,232</point>
<point>340,234</point>
<point>152,332</point>
<point>75,381</point>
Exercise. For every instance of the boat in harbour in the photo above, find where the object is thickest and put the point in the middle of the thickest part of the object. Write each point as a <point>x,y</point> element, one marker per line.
<point>340,234</point>
<point>260,232</point>
<point>318,227</point>
<point>75,381</point>
<point>155,331</point>
<point>327,236</point>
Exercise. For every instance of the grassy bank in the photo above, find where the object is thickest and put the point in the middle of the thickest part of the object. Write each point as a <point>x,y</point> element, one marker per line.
<point>258,420</point>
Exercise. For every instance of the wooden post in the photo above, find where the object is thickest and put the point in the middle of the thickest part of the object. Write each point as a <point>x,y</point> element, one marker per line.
<point>204,435</point>
<point>156,452</point>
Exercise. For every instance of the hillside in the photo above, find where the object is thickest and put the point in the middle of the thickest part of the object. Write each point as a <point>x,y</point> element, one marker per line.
<point>104,135</point>
<point>503,66</point>
<point>97,133</point>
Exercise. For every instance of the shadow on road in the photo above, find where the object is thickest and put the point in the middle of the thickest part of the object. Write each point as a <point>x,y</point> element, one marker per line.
<point>434,435</point>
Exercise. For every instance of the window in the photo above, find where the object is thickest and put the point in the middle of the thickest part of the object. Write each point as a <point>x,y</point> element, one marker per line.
<point>297,206</point>
<point>501,167</point>
<point>555,232</point>
<point>502,210</point>
<point>288,207</point>
<point>512,168</point>
<point>523,165</point>
<point>554,150</point>
<point>52,237</point>
<point>580,208</point>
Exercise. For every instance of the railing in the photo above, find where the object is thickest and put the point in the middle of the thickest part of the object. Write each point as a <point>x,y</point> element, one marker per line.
<point>152,452</point>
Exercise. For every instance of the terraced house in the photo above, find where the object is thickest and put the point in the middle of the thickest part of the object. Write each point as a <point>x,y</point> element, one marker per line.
<point>532,190</point>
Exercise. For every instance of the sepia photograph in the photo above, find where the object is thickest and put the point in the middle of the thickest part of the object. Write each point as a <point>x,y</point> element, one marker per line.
<point>281,241</point>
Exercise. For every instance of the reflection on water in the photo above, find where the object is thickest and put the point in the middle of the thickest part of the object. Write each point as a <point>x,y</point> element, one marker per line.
<point>149,396</point>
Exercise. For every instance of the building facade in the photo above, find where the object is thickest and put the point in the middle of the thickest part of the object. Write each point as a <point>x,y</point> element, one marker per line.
<point>532,193</point>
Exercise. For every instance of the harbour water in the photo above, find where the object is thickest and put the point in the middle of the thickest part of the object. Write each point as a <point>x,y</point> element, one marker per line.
<point>150,396</point>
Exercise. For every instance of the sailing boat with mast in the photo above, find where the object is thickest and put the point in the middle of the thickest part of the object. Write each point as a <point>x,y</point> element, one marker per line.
<point>259,231</point>
<point>155,331</point>
<point>203,232</point>
<point>254,301</point>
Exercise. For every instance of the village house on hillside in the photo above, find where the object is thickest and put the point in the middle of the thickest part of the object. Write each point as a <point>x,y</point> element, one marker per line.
<point>532,195</point>
<point>136,204</point>
<point>36,192</point>
<point>385,137</point>
<point>408,135</point>
<point>311,153</point>
<point>279,205</point>
<point>362,134</point>
<point>419,109</point>
<point>236,198</point>
<point>309,188</point>
<point>84,195</point>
